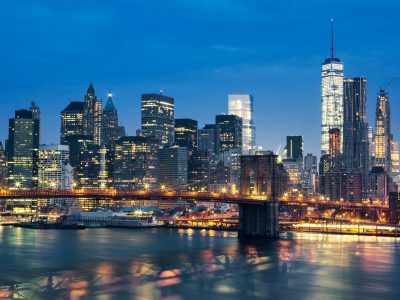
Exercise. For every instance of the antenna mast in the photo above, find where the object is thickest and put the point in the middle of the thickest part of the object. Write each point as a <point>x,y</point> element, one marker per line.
<point>332,48</point>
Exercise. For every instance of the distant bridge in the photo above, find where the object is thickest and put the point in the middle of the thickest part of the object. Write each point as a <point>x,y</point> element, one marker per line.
<point>258,216</point>
<point>100,194</point>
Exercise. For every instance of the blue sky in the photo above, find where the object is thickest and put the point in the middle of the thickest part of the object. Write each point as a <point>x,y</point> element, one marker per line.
<point>198,52</point>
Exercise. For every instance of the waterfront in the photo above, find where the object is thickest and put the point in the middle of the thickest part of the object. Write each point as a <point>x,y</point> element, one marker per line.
<point>194,264</point>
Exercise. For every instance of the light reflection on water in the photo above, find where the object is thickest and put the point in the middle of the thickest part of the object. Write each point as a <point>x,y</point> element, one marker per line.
<point>180,264</point>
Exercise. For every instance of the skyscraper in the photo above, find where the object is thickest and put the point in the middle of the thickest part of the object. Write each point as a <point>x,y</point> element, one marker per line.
<point>395,159</point>
<point>71,121</point>
<point>173,168</point>
<point>199,171</point>
<point>158,117</point>
<point>3,167</point>
<point>310,173</point>
<point>355,135</point>
<point>92,113</point>
<point>186,134</point>
<point>207,139</point>
<point>294,147</point>
<point>53,160</point>
<point>110,130</point>
<point>135,163</point>
<point>87,173</point>
<point>331,96</point>
<point>383,136</point>
<point>229,132</point>
<point>242,106</point>
<point>23,150</point>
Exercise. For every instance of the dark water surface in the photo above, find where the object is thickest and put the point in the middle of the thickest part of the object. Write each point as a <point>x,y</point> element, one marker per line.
<point>175,264</point>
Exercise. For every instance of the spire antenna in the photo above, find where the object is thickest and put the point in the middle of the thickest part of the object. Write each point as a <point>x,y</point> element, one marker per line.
<point>332,48</point>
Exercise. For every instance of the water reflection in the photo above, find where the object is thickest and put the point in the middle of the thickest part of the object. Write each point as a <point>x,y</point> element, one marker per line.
<point>189,264</point>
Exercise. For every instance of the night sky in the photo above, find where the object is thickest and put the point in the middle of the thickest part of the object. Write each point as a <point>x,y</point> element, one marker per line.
<point>198,52</point>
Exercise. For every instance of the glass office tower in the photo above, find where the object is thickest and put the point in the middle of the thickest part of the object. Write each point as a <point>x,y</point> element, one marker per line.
<point>383,135</point>
<point>158,117</point>
<point>242,106</point>
<point>331,98</point>
<point>23,150</point>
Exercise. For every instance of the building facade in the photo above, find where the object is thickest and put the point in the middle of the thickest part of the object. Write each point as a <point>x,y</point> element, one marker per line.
<point>110,129</point>
<point>136,163</point>
<point>71,121</point>
<point>383,136</point>
<point>173,168</point>
<point>158,117</point>
<point>207,139</point>
<point>355,129</point>
<point>23,150</point>
<point>229,132</point>
<point>242,106</point>
<point>186,134</point>
<point>342,185</point>
<point>54,168</point>
<point>199,167</point>
<point>92,113</point>
<point>331,98</point>
<point>294,147</point>
<point>310,173</point>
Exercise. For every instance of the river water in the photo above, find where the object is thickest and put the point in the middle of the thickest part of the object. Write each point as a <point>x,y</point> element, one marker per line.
<point>172,264</point>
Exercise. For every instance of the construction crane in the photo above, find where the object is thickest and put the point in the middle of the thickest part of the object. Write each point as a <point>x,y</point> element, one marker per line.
<point>389,83</point>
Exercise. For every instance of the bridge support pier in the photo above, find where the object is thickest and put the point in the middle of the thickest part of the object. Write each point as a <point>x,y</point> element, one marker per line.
<point>259,220</point>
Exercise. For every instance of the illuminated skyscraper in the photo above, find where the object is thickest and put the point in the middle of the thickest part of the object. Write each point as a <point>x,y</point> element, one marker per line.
<point>87,173</point>
<point>158,117</point>
<point>383,135</point>
<point>207,139</point>
<point>92,113</point>
<point>355,135</point>
<point>53,166</point>
<point>3,167</point>
<point>395,158</point>
<point>310,173</point>
<point>186,134</point>
<point>173,168</point>
<point>23,150</point>
<point>294,147</point>
<point>229,132</point>
<point>242,106</point>
<point>109,131</point>
<point>135,164</point>
<point>332,97</point>
<point>71,121</point>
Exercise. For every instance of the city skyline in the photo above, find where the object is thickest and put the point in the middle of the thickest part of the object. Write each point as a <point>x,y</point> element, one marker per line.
<point>222,63</point>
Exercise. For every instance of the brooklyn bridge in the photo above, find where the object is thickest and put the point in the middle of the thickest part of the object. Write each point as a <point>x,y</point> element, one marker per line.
<point>258,215</point>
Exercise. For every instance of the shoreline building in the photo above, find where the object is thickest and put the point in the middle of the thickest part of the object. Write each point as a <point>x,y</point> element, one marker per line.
<point>242,106</point>
<point>331,97</point>
<point>157,113</point>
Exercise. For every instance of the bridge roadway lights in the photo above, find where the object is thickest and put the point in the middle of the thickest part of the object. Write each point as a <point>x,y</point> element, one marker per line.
<point>259,220</point>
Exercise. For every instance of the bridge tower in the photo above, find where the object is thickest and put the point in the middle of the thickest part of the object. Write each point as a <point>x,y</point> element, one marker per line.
<point>261,219</point>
